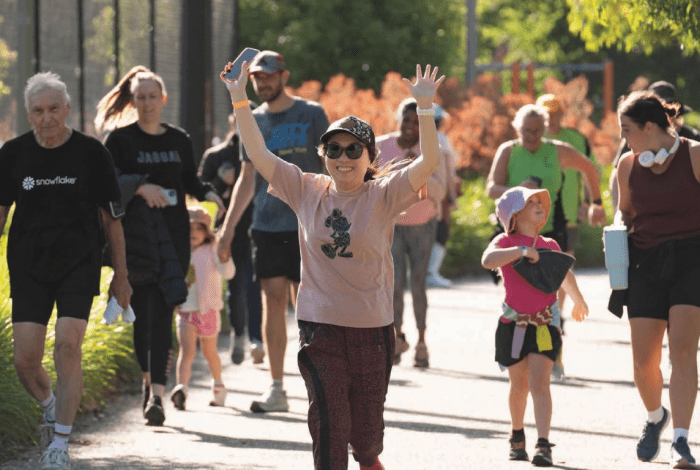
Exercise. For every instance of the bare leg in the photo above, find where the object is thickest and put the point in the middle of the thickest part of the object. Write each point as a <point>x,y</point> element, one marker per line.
<point>275,297</point>
<point>69,373</point>
<point>683,334</point>
<point>519,388</point>
<point>187,337</point>
<point>647,339</point>
<point>28,340</point>
<point>211,354</point>
<point>540,370</point>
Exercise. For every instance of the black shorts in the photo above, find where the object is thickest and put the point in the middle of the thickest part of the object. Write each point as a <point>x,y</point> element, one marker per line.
<point>504,343</point>
<point>651,297</point>
<point>33,299</point>
<point>442,232</point>
<point>276,254</point>
<point>572,238</point>
<point>37,308</point>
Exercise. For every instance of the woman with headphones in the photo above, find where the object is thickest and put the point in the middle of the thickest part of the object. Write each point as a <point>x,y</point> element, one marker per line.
<point>659,201</point>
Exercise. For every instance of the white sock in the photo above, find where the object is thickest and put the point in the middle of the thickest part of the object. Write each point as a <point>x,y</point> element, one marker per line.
<point>679,432</point>
<point>49,407</point>
<point>277,384</point>
<point>61,435</point>
<point>656,416</point>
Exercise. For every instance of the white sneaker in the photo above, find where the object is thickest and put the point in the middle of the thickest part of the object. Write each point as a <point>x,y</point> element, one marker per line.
<point>45,436</point>
<point>437,281</point>
<point>257,351</point>
<point>274,399</point>
<point>55,458</point>
<point>220,393</point>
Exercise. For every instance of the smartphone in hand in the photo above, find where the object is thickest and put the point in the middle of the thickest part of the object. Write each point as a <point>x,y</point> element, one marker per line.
<point>171,195</point>
<point>247,55</point>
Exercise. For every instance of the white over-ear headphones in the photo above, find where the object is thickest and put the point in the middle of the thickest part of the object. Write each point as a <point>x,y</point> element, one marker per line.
<point>647,157</point>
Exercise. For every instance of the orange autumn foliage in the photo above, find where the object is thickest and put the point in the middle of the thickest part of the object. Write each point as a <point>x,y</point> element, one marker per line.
<point>480,116</point>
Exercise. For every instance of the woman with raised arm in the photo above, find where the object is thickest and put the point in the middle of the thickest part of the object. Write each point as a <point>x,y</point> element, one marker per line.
<point>344,307</point>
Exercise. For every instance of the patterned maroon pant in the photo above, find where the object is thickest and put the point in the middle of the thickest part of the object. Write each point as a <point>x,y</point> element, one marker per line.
<point>346,371</point>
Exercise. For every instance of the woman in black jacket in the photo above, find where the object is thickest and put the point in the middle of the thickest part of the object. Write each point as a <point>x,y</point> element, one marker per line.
<point>155,162</point>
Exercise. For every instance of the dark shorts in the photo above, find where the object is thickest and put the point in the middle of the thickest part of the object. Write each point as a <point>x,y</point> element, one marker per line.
<point>33,300</point>
<point>650,297</point>
<point>276,254</point>
<point>504,343</point>
<point>572,239</point>
<point>442,232</point>
<point>38,307</point>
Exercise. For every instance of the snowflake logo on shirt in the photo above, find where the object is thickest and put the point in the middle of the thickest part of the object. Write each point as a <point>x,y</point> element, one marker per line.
<point>340,235</point>
<point>28,183</point>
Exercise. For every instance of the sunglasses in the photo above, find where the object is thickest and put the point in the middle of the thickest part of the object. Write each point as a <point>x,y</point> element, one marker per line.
<point>353,151</point>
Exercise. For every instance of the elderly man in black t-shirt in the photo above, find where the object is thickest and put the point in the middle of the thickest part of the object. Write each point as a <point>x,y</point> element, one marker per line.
<point>64,187</point>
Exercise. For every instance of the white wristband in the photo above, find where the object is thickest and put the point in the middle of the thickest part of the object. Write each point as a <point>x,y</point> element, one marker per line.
<point>524,251</point>
<point>426,111</point>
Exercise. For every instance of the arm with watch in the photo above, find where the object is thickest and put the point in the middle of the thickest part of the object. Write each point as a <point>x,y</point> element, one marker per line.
<point>495,257</point>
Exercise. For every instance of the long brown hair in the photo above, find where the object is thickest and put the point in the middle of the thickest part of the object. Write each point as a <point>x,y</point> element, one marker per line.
<point>646,106</point>
<point>116,108</point>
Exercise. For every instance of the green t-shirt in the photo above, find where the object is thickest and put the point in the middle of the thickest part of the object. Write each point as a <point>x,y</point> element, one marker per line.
<point>544,164</point>
<point>572,189</point>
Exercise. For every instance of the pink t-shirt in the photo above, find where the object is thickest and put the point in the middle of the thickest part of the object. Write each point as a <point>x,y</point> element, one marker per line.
<point>347,272</point>
<point>390,152</point>
<point>520,295</point>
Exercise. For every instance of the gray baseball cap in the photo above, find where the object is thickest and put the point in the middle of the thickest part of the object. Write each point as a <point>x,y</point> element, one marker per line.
<point>268,62</point>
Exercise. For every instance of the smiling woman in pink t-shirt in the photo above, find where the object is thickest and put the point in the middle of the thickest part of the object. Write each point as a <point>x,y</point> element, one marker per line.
<point>344,306</point>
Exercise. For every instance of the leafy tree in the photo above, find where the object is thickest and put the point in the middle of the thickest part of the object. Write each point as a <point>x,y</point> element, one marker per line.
<point>363,39</point>
<point>636,23</point>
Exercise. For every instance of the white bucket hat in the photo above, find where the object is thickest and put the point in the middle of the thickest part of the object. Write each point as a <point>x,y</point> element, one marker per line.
<point>513,201</point>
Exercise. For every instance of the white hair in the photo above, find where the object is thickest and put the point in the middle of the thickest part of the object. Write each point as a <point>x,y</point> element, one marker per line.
<point>45,81</point>
<point>527,111</point>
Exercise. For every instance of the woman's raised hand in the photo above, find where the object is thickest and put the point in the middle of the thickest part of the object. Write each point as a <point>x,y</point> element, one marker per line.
<point>236,88</point>
<point>425,87</point>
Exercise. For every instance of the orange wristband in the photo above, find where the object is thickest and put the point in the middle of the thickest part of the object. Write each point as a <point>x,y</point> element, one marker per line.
<point>241,104</point>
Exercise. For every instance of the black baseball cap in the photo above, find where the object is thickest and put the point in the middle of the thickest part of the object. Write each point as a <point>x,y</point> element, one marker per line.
<point>667,92</point>
<point>353,126</point>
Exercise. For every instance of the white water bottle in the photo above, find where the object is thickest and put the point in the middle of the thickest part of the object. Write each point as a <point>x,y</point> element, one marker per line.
<point>617,259</point>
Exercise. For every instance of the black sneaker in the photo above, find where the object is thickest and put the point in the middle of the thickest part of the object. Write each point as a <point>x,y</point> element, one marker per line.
<point>648,445</point>
<point>517,450</point>
<point>543,454</point>
<point>680,454</point>
<point>155,415</point>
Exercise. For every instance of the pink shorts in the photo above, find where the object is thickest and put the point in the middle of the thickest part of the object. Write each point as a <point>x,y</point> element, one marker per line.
<point>208,324</point>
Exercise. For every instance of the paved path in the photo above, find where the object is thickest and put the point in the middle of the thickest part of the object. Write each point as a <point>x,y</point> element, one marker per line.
<point>453,415</point>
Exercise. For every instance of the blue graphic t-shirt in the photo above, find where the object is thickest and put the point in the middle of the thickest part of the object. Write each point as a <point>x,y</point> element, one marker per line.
<point>293,135</point>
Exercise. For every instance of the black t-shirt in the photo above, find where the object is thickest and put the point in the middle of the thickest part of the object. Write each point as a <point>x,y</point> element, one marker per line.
<point>226,155</point>
<point>167,160</point>
<point>56,226</point>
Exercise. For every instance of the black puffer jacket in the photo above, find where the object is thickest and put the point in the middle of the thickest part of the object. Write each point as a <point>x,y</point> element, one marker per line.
<point>150,254</point>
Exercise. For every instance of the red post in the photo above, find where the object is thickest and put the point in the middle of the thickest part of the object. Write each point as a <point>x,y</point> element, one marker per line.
<point>608,86</point>
<point>515,79</point>
<point>531,79</point>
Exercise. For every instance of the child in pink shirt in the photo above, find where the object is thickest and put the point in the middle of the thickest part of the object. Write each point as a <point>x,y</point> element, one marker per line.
<point>199,316</point>
<point>529,357</point>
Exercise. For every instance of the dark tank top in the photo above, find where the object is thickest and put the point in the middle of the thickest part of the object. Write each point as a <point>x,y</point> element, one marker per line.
<point>666,206</point>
